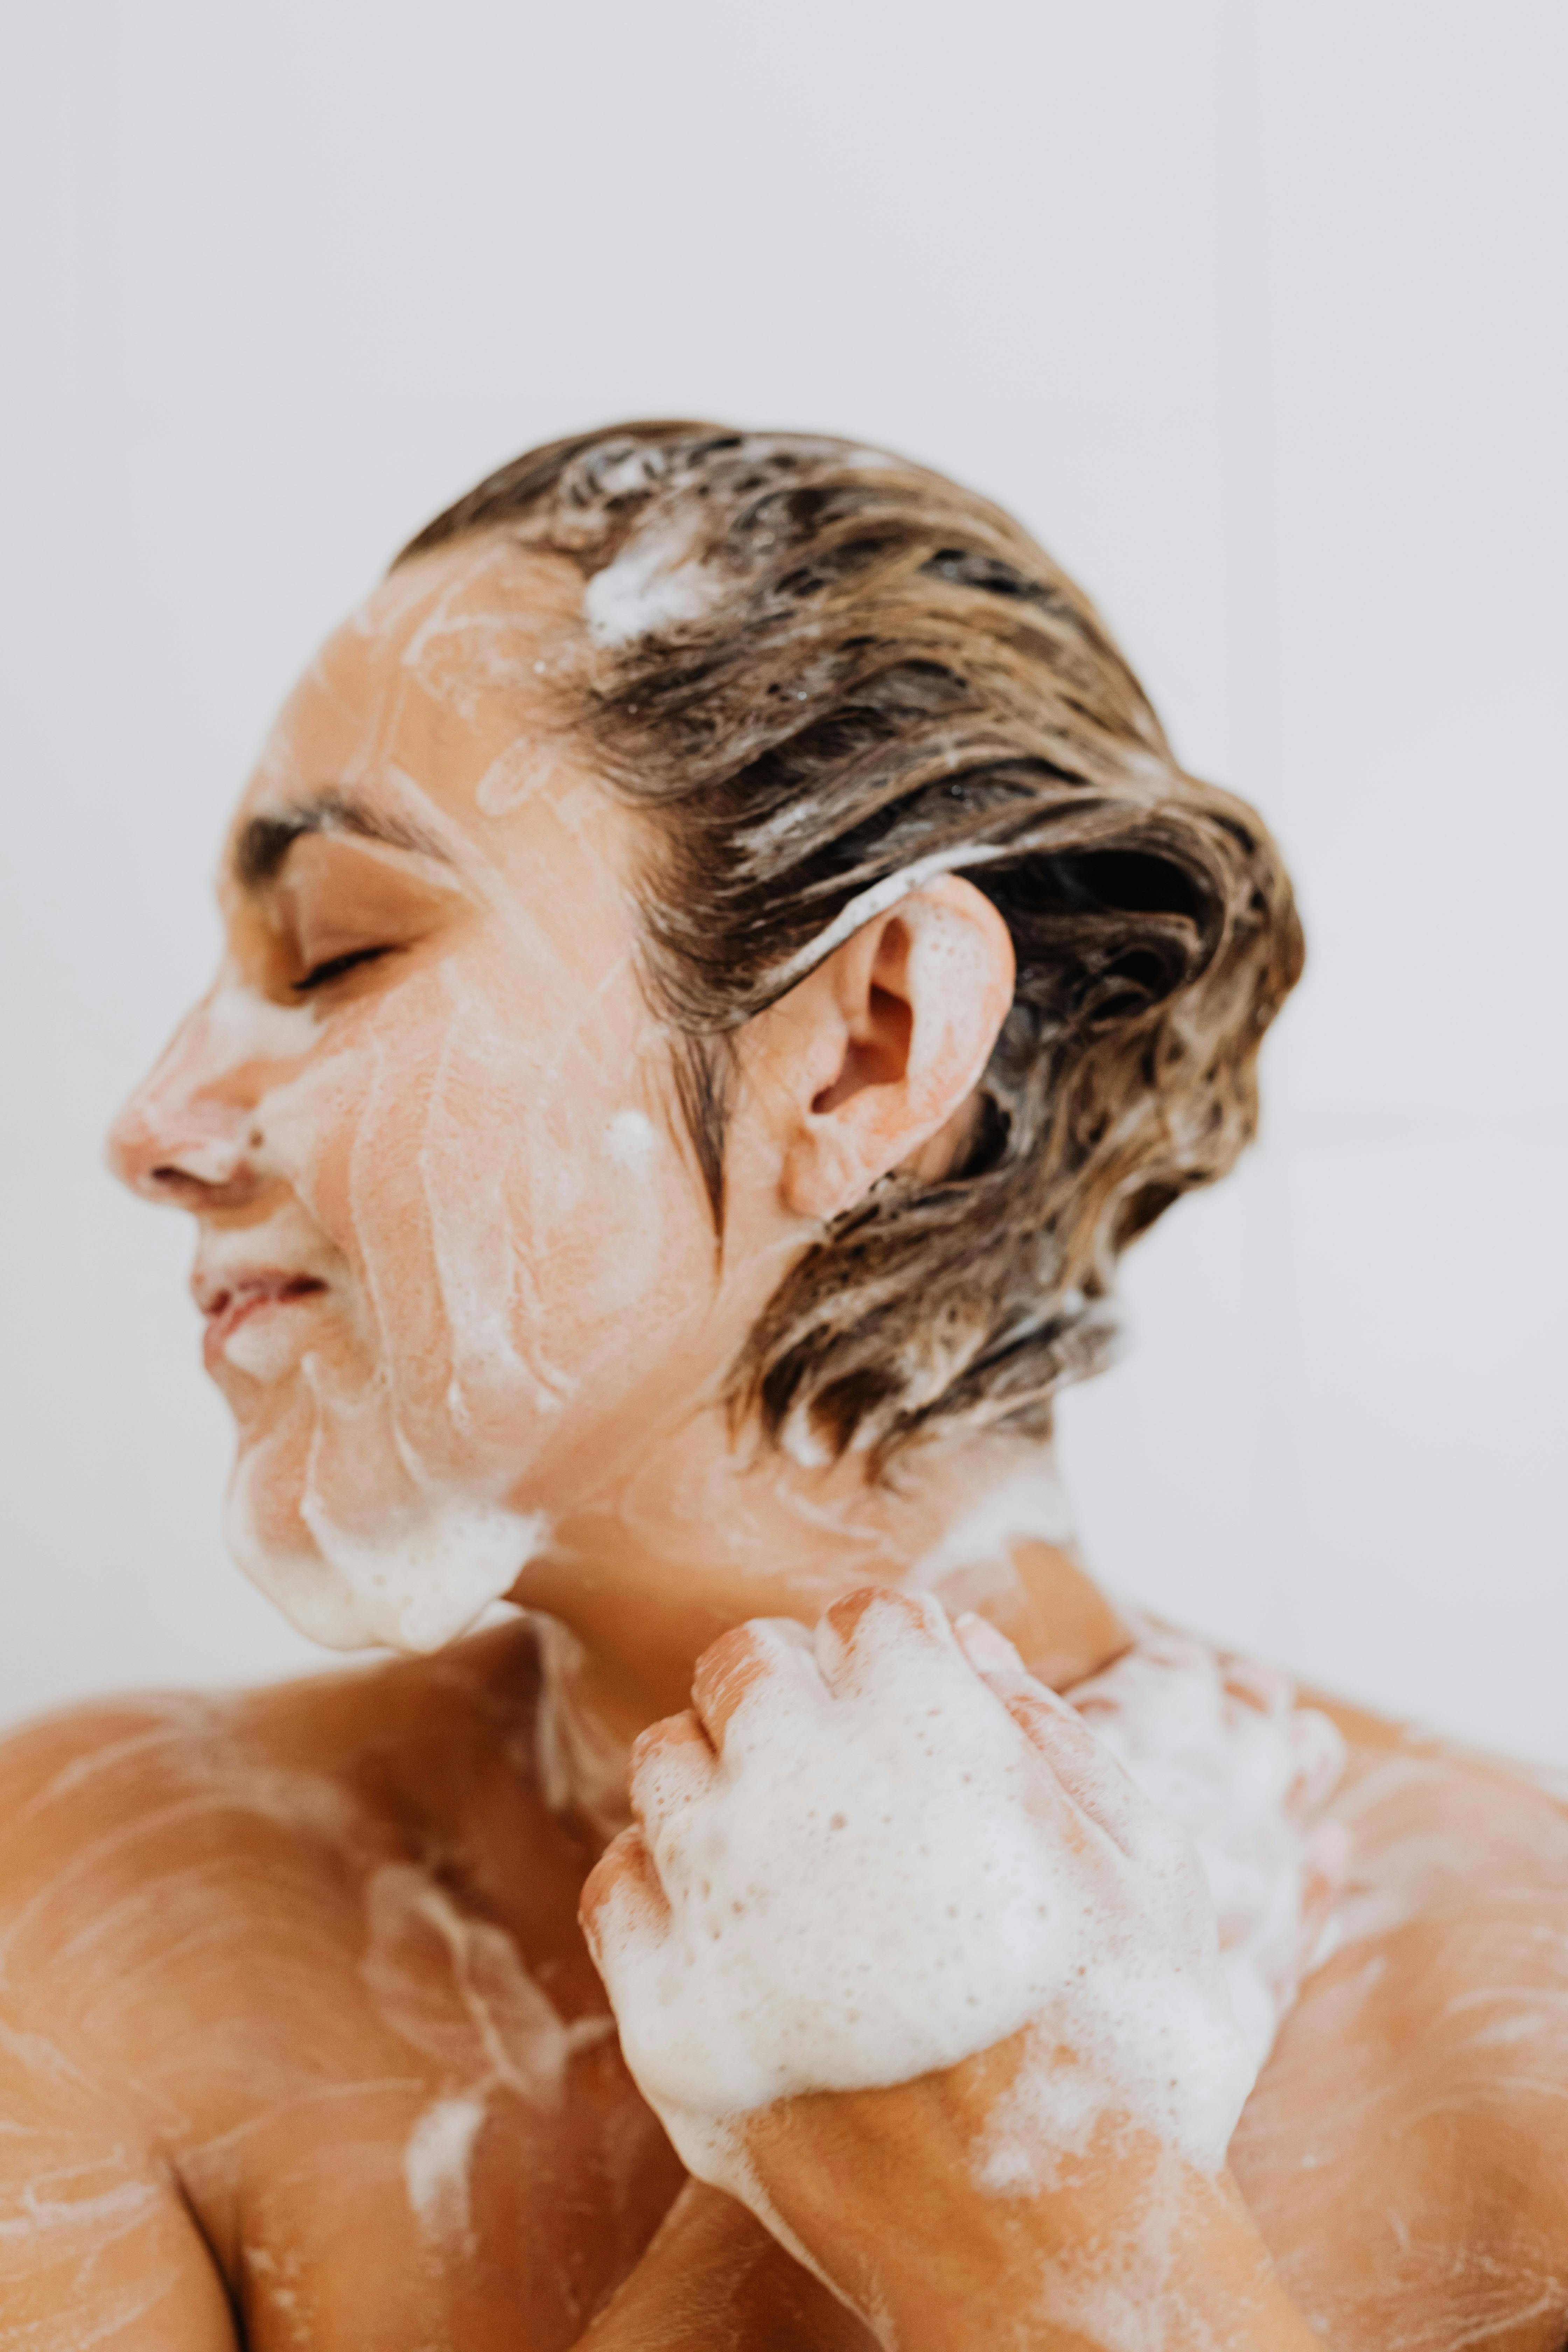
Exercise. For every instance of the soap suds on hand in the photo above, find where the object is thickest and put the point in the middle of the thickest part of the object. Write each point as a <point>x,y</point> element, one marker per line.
<point>879,1877</point>
<point>1220,1746</point>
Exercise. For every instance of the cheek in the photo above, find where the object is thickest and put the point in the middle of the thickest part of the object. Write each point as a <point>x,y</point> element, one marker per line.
<point>517,1226</point>
<point>609,1212</point>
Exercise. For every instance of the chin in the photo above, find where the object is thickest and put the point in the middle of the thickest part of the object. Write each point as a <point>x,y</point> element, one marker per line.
<point>407,1567</point>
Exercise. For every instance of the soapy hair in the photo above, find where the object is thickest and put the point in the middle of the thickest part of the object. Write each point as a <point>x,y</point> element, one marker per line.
<point>830,673</point>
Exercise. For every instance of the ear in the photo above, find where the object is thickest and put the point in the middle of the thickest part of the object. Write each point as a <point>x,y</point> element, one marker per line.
<point>878,1051</point>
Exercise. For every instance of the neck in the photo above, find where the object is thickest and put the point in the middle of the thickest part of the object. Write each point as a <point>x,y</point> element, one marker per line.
<point>697,1539</point>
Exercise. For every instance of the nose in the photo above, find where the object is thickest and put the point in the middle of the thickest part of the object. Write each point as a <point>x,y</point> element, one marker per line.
<point>189,1135</point>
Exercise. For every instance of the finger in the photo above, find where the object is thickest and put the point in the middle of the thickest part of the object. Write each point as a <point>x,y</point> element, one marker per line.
<point>1266,1690</point>
<point>990,1653</point>
<point>670,1734</point>
<point>861,1628</point>
<point>1318,1752</point>
<point>1084,1767</point>
<point>1077,1759</point>
<point>621,1894</point>
<point>672,1764</point>
<point>1082,1764</point>
<point>739,1662</point>
<point>725,1672</point>
<point>1331,1851</point>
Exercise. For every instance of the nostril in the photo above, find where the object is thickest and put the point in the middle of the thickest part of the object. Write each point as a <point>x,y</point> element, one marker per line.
<point>202,1165</point>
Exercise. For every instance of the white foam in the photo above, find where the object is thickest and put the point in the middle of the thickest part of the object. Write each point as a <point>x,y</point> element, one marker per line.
<point>435,2164</point>
<point>269,1344</point>
<point>631,1140</point>
<point>582,1765</point>
<point>243,1025</point>
<point>1221,1748</point>
<point>653,582</point>
<point>875,1881</point>
<point>457,1989</point>
<point>418,1577</point>
<point>868,904</point>
<point>524,767</point>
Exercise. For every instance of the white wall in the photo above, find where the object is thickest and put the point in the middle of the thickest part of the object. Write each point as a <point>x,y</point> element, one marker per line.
<point>1253,311</point>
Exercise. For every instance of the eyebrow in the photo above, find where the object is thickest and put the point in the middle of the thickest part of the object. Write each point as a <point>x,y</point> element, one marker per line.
<point>264,842</point>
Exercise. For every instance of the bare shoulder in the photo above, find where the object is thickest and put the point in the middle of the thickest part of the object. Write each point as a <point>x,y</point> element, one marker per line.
<point>173,1862</point>
<point>1441,1828</point>
<point>236,1928</point>
<point>1414,2118</point>
<point>132,1826</point>
<point>96,2241</point>
<point>90,1797</point>
<point>1453,1934</point>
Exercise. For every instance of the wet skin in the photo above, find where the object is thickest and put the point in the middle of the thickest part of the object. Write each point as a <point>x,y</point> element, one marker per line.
<point>300,2044</point>
<point>221,2042</point>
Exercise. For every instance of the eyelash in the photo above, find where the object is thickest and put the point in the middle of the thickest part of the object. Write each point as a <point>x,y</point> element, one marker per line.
<point>334,968</point>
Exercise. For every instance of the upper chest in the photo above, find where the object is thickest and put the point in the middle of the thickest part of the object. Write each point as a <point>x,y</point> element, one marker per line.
<point>1402,2150</point>
<point>326,1973</point>
<point>403,2122</point>
<point>373,2086</point>
<point>395,2127</point>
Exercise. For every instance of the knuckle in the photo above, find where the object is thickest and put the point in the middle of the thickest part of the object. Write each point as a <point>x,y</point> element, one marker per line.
<point>676,1739</point>
<point>625,1853</point>
<point>851,1609</point>
<point>726,1671</point>
<point>731,1650</point>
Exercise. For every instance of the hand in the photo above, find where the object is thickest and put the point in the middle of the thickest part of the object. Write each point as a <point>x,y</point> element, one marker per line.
<point>863,1859</point>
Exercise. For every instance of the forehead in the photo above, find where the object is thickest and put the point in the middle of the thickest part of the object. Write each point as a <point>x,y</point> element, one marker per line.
<point>452,665</point>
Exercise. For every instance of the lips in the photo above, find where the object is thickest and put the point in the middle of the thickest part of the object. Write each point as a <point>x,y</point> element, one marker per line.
<point>228,1304</point>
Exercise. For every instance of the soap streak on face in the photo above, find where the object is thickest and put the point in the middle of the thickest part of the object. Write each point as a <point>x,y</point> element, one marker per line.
<point>423,1121</point>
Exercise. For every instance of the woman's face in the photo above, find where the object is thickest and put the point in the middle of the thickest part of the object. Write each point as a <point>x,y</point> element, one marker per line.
<point>452,1251</point>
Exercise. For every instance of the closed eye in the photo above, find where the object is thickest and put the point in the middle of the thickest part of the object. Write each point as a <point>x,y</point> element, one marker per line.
<point>320,974</point>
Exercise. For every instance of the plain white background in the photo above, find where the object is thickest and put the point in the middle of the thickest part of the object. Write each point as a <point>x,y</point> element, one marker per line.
<point>1253,312</point>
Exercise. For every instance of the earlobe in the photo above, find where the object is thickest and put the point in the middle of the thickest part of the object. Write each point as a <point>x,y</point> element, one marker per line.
<point>899,1026</point>
<point>823,1174</point>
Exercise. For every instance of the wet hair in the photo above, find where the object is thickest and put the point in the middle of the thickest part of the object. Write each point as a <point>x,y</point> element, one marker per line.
<point>830,673</point>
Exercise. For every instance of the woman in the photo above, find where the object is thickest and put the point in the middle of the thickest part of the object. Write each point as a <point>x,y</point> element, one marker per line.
<point>721,959</point>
